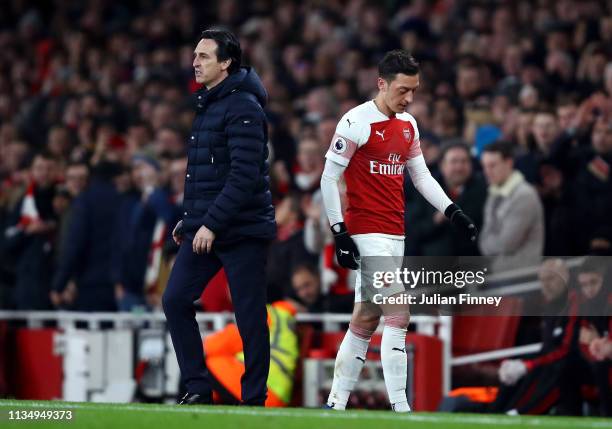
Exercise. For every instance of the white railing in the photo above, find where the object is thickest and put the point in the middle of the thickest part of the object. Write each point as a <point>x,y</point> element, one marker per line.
<point>496,354</point>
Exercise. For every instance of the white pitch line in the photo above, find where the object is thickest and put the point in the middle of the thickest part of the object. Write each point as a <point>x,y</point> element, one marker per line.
<point>500,420</point>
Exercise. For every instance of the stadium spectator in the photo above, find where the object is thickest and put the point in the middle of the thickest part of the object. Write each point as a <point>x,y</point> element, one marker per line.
<point>586,170</point>
<point>145,218</point>
<point>428,232</point>
<point>288,250</point>
<point>307,173</point>
<point>595,323</point>
<point>513,227</point>
<point>31,236</point>
<point>530,386</point>
<point>545,131</point>
<point>306,288</point>
<point>90,244</point>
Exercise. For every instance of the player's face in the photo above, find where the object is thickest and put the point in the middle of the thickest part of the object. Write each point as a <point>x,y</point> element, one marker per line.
<point>456,167</point>
<point>399,92</point>
<point>601,138</point>
<point>552,285</point>
<point>544,130</point>
<point>306,286</point>
<point>496,168</point>
<point>208,70</point>
<point>590,284</point>
<point>565,115</point>
<point>43,171</point>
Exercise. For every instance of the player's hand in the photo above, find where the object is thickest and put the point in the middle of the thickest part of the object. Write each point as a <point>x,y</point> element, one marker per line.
<point>462,221</point>
<point>56,298</point>
<point>177,233</point>
<point>346,249</point>
<point>601,348</point>
<point>39,227</point>
<point>511,371</point>
<point>203,240</point>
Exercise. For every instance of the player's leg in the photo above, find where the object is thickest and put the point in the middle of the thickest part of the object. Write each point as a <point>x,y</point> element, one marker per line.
<point>393,353</point>
<point>190,274</point>
<point>352,353</point>
<point>396,317</point>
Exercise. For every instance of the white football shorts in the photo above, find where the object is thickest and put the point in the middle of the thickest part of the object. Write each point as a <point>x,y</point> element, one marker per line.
<point>389,253</point>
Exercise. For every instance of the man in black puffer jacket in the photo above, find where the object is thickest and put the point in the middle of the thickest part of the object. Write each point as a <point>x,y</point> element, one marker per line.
<point>228,217</point>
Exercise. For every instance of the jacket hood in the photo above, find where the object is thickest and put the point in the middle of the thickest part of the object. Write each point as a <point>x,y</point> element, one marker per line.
<point>245,79</point>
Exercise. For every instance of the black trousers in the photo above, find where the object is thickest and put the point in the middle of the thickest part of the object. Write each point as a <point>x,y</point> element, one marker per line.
<point>245,266</point>
<point>536,393</point>
<point>581,372</point>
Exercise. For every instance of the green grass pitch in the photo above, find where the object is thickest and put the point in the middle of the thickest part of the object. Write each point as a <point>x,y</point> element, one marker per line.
<point>152,416</point>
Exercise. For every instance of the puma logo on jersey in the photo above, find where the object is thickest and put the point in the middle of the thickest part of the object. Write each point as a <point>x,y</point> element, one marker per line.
<point>399,350</point>
<point>349,122</point>
<point>344,252</point>
<point>360,358</point>
<point>381,134</point>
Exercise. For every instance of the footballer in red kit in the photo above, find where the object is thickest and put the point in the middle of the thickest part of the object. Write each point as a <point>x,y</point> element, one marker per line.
<point>374,145</point>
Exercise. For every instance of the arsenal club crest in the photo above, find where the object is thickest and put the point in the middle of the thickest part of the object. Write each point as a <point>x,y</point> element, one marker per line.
<point>407,134</point>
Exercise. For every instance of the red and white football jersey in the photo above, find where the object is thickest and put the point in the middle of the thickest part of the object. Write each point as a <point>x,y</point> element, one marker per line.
<point>375,149</point>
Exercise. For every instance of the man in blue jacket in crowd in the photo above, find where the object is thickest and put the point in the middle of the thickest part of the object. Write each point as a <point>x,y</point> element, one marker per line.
<point>228,217</point>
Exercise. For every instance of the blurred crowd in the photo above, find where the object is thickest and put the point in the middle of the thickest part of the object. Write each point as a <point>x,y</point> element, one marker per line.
<point>514,111</point>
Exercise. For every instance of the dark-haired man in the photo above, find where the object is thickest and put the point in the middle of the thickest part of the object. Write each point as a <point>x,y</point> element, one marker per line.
<point>513,228</point>
<point>88,245</point>
<point>428,230</point>
<point>373,144</point>
<point>30,238</point>
<point>228,217</point>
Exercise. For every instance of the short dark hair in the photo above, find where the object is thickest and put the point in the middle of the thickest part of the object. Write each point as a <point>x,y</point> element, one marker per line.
<point>505,149</point>
<point>456,144</point>
<point>228,46</point>
<point>545,110</point>
<point>78,163</point>
<point>306,266</point>
<point>594,264</point>
<point>397,61</point>
<point>44,154</point>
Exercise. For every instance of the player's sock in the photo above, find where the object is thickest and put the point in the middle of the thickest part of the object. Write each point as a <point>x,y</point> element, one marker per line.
<point>401,407</point>
<point>349,362</point>
<point>394,361</point>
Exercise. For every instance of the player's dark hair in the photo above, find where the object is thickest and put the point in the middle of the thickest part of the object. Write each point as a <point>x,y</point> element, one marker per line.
<point>545,110</point>
<point>78,163</point>
<point>594,264</point>
<point>44,154</point>
<point>228,46</point>
<point>505,149</point>
<point>458,144</point>
<point>397,61</point>
<point>306,266</point>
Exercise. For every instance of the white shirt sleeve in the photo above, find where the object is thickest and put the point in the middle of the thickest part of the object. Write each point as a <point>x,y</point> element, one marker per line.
<point>425,183</point>
<point>330,192</point>
<point>415,148</point>
<point>352,132</point>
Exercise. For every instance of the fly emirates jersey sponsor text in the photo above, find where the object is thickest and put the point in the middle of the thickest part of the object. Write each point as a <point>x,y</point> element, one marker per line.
<point>374,148</point>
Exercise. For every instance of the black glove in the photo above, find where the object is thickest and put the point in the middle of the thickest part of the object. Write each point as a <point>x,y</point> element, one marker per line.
<point>346,249</point>
<point>461,221</point>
